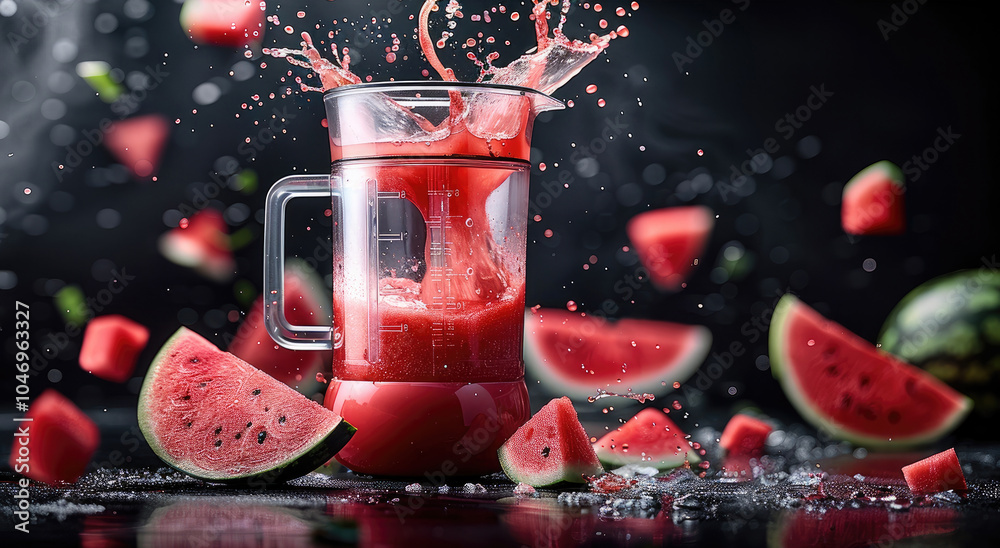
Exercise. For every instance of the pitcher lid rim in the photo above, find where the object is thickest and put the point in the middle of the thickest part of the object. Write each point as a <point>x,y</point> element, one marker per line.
<point>410,84</point>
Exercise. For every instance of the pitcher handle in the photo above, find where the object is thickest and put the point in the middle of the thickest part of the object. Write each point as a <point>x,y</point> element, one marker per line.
<point>295,337</point>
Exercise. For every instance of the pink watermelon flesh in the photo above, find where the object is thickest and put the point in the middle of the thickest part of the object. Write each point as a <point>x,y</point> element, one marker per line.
<point>845,386</point>
<point>745,435</point>
<point>305,304</point>
<point>60,441</point>
<point>111,345</point>
<point>213,416</point>
<point>138,143</point>
<point>669,241</point>
<point>649,438</point>
<point>578,354</point>
<point>859,527</point>
<point>936,473</point>
<point>202,243</point>
<point>551,447</point>
<point>223,23</point>
<point>872,203</point>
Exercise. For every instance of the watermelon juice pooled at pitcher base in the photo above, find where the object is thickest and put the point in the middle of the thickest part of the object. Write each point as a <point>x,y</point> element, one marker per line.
<point>430,185</point>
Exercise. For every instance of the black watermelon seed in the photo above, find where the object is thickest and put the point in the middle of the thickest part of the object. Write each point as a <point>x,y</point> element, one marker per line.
<point>261,436</point>
<point>238,435</point>
<point>187,396</point>
<point>281,419</point>
<point>218,443</point>
<point>218,431</point>
<point>189,425</point>
<point>256,392</point>
<point>545,452</point>
<point>249,424</point>
<point>195,360</point>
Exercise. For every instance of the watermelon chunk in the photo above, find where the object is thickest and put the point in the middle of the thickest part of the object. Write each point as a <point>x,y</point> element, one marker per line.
<point>213,416</point>
<point>305,304</point>
<point>202,243</point>
<point>649,438</point>
<point>223,23</point>
<point>670,241</point>
<point>579,354</point>
<point>745,435</point>
<point>60,442</point>
<point>940,472</point>
<point>111,345</point>
<point>845,386</point>
<point>551,447</point>
<point>872,203</point>
<point>138,143</point>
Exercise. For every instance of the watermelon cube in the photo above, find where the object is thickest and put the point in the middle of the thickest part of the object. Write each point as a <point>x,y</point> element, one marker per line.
<point>745,435</point>
<point>201,242</point>
<point>138,143</point>
<point>936,473</point>
<point>59,442</point>
<point>111,345</point>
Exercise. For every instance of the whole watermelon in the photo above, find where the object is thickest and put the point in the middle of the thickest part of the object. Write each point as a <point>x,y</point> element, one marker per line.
<point>950,326</point>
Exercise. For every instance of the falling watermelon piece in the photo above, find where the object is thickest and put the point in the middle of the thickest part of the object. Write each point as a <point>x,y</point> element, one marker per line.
<point>670,241</point>
<point>305,304</point>
<point>138,143</point>
<point>213,416</point>
<point>551,447</point>
<point>58,440</point>
<point>745,435</point>
<point>223,23</point>
<point>846,387</point>
<point>873,201</point>
<point>111,345</point>
<point>936,473</point>
<point>649,438</point>
<point>577,354</point>
<point>202,243</point>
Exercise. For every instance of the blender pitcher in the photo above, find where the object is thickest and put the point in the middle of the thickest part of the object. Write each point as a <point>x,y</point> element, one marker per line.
<point>429,188</point>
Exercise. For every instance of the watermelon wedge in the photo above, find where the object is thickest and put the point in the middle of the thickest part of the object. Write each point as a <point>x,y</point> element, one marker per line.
<point>649,438</point>
<point>845,386</point>
<point>936,473</point>
<point>550,448</point>
<point>578,354</point>
<point>670,241</point>
<point>202,243</point>
<point>223,23</point>
<point>745,435</point>
<point>56,443</point>
<point>305,304</point>
<point>872,203</point>
<point>111,345</point>
<point>213,416</point>
<point>138,143</point>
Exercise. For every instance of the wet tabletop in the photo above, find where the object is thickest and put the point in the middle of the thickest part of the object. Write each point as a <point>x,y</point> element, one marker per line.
<point>802,493</point>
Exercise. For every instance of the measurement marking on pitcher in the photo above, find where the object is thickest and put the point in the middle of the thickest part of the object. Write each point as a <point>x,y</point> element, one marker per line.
<point>391,237</point>
<point>393,328</point>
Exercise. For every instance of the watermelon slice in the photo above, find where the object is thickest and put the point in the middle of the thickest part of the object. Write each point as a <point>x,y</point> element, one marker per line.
<point>305,304</point>
<point>213,416</point>
<point>578,354</point>
<point>844,385</point>
<point>551,447</point>
<point>649,438</point>
<point>202,243</point>
<point>936,473</point>
<point>138,143</point>
<point>670,241</point>
<point>111,345</point>
<point>223,23</point>
<point>59,442</point>
<point>745,435</point>
<point>873,201</point>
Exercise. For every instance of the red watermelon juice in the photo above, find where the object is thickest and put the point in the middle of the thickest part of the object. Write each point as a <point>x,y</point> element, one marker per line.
<point>430,199</point>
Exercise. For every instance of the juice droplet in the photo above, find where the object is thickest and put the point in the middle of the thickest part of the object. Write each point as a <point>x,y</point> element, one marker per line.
<point>620,12</point>
<point>622,31</point>
<point>320,377</point>
<point>592,88</point>
<point>302,14</point>
<point>570,305</point>
<point>548,234</point>
<point>635,6</point>
<point>514,16</point>
<point>701,152</point>
<point>676,405</point>
<point>183,223</point>
<point>601,102</point>
<point>676,385</point>
<point>542,166</point>
<point>811,342</point>
<point>390,57</point>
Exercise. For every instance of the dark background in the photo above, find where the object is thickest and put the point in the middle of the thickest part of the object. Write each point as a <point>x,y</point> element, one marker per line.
<point>890,98</point>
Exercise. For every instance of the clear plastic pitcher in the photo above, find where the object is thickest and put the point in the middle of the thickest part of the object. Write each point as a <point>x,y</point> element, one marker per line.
<point>429,188</point>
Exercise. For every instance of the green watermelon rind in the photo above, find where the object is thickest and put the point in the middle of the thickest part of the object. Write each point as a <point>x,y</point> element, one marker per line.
<point>780,362</point>
<point>678,370</point>
<point>313,455</point>
<point>570,473</point>
<point>889,169</point>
